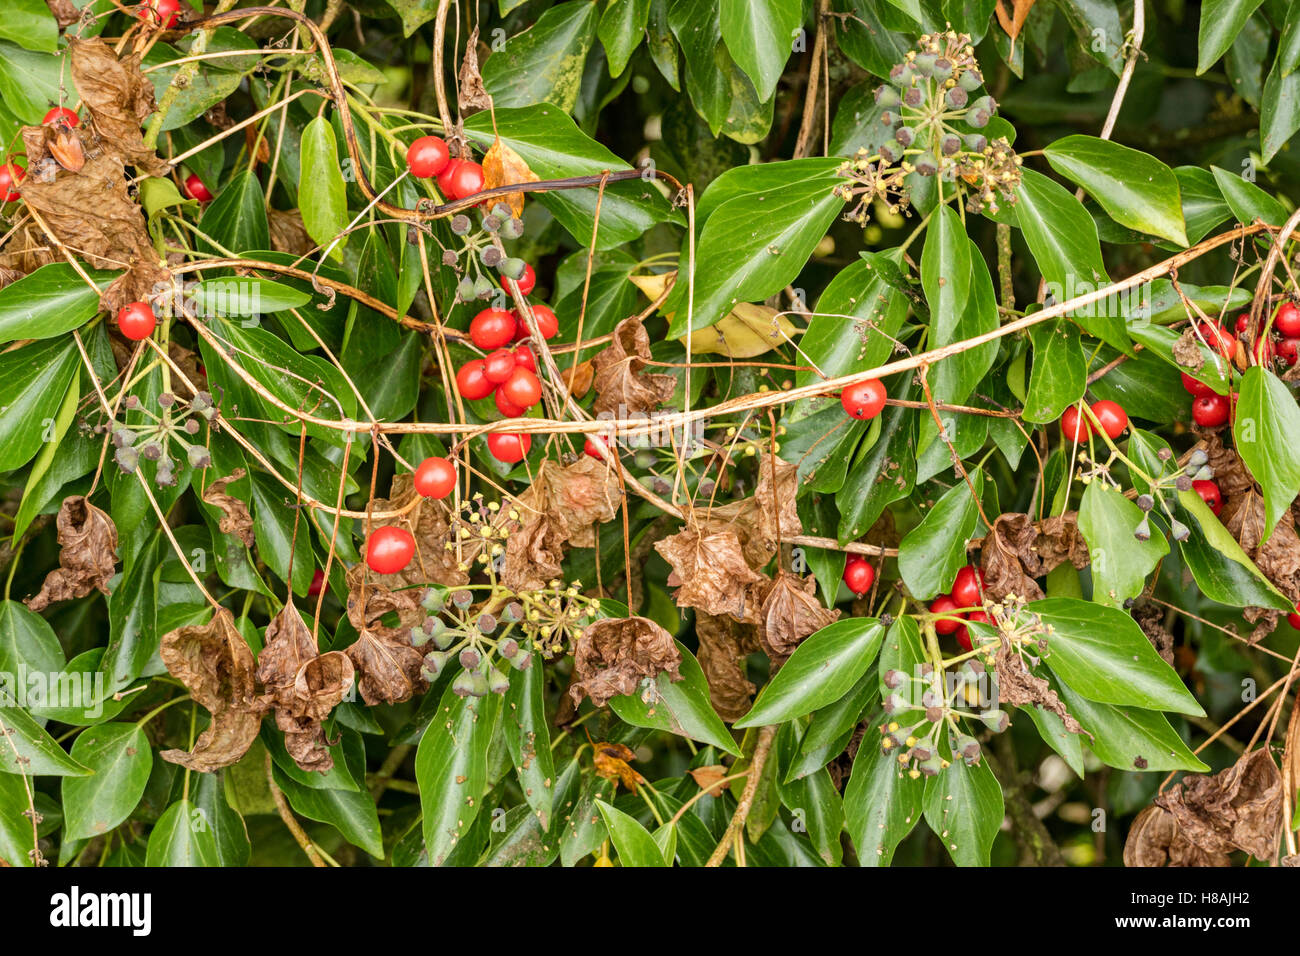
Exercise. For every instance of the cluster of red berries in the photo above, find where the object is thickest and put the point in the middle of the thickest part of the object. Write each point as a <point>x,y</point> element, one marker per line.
<point>1209,408</point>
<point>864,400</point>
<point>429,156</point>
<point>967,592</point>
<point>390,549</point>
<point>1286,323</point>
<point>1076,427</point>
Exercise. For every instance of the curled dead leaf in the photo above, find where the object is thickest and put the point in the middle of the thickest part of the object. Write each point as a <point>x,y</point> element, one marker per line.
<point>613,762</point>
<point>389,666</point>
<point>1239,808</point>
<point>502,166</point>
<point>470,94</point>
<point>235,518</point>
<point>614,655</point>
<point>621,384</point>
<point>87,554</point>
<point>1155,839</point>
<point>790,613</point>
<point>117,98</point>
<point>1013,22</point>
<point>1017,550</point>
<point>708,778</point>
<point>724,645</point>
<point>710,571</point>
<point>1017,686</point>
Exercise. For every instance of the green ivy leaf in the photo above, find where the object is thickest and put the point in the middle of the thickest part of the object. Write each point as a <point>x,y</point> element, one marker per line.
<point>635,845</point>
<point>33,382</point>
<point>30,751</point>
<point>760,37</point>
<point>682,707</point>
<point>1221,569</point>
<point>181,837</point>
<point>1265,431</point>
<point>120,758</point>
<point>963,806</point>
<point>622,27</point>
<point>1221,21</point>
<point>1247,201</point>
<point>523,723</point>
<point>544,63</point>
<point>930,554</point>
<point>1129,738</point>
<point>1120,562</point>
<point>1059,374</point>
<point>49,302</point>
<point>881,803</point>
<point>322,194</point>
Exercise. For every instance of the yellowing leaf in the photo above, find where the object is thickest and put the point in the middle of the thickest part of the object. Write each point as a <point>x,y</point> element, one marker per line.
<point>748,330</point>
<point>502,166</point>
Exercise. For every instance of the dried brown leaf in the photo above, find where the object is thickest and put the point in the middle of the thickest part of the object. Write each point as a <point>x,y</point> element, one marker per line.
<point>87,554</point>
<point>707,778</point>
<point>613,762</point>
<point>216,666</point>
<point>615,654</point>
<point>502,166</point>
<point>430,524</point>
<point>118,99</point>
<point>65,12</point>
<point>389,666</point>
<point>235,518</point>
<point>1239,808</point>
<point>470,94</point>
<point>621,385</point>
<point>1017,686</point>
<point>709,571</point>
<point>1156,839</point>
<point>724,645</point>
<point>791,612</point>
<point>1013,22</point>
<point>288,234</point>
<point>1017,550</point>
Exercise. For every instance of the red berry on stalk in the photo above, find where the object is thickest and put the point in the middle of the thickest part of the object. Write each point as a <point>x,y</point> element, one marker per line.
<point>967,585</point>
<point>1074,427</point>
<point>472,382</point>
<point>444,177</point>
<point>593,445</point>
<point>505,407</point>
<point>435,477</point>
<point>161,13</point>
<point>1210,494</point>
<point>317,583</point>
<point>1288,350</point>
<point>11,174</point>
<point>525,358</point>
<point>859,575</point>
<point>136,320</point>
<point>499,365</point>
<point>427,156</point>
<point>1217,338</point>
<point>61,116</point>
<point>492,328</point>
<point>1294,619</point>
<point>465,180</point>
<point>522,388</point>
<point>963,633</point>
<point>509,447</point>
<point>944,604</point>
<point>1287,320</point>
<point>1112,417</point>
<point>864,400</point>
<point>527,282</point>
<point>1243,323</point>
<point>389,549</point>
<point>1263,351</point>
<point>195,188</point>
<point>547,323</point>
<point>1210,411</point>
<point>1195,387</point>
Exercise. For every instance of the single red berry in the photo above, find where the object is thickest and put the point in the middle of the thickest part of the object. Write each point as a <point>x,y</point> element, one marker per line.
<point>1243,323</point>
<point>859,575</point>
<point>1074,427</point>
<point>317,583</point>
<point>136,320</point>
<point>435,477</point>
<point>966,587</point>
<point>465,180</point>
<point>1287,320</point>
<point>963,633</point>
<point>160,13</point>
<point>61,116</point>
<point>547,323</point>
<point>1210,411</point>
<point>389,549</point>
<point>427,156</point>
<point>444,177</point>
<point>472,382</point>
<point>492,328</point>
<point>944,604</point>
<point>1210,494</point>
<point>522,388</point>
<point>1195,387</point>
<point>505,407</point>
<point>525,358</point>
<point>1112,417</point>
<point>1263,352</point>
<point>1294,619</point>
<point>509,447</point>
<point>1217,338</point>
<point>593,445</point>
<point>195,188</point>
<point>11,174</point>
<point>1288,350</point>
<point>499,365</point>
<point>864,400</point>
<point>527,282</point>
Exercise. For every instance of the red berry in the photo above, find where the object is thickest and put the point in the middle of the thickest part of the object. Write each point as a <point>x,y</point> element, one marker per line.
<point>427,156</point>
<point>11,174</point>
<point>1243,323</point>
<point>944,604</point>
<point>508,446</point>
<point>492,328</point>
<point>389,549</point>
<point>61,116</point>
<point>527,282</point>
<point>499,365</point>
<point>522,388</point>
<point>465,180</point>
<point>317,583</point>
<point>1217,338</point>
<point>1210,494</point>
<point>1287,320</point>
<point>506,408</point>
<point>593,445</point>
<point>864,400</point>
<point>525,358</point>
<point>966,587</point>
<point>195,188</point>
<point>1195,387</point>
<point>963,633</point>
<point>435,477</point>
<point>1112,417</point>
<point>1263,352</point>
<point>1294,619</point>
<point>136,320</point>
<point>472,382</point>
<point>1210,411</point>
<point>1288,350</point>
<point>1074,427</point>
<point>163,13</point>
<point>444,177</point>
<point>547,323</point>
<point>859,575</point>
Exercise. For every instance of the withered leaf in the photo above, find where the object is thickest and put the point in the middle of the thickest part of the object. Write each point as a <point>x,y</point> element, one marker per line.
<point>534,552</point>
<point>1016,550</point>
<point>429,522</point>
<point>1155,839</point>
<point>118,99</point>
<point>791,612</point>
<point>389,666</point>
<point>612,762</point>
<point>235,518</point>
<point>65,12</point>
<point>87,554</point>
<point>216,666</point>
<point>614,654</point>
<point>724,645</point>
<point>707,778</point>
<point>288,234</point>
<point>710,571</point>
<point>1239,808</point>
<point>1016,685</point>
<point>470,94</point>
<point>502,166</point>
<point>765,518</point>
<point>380,601</point>
<point>621,385</point>
<point>1013,22</point>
